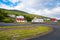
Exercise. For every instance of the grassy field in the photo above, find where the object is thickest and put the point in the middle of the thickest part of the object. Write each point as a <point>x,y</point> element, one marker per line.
<point>20,32</point>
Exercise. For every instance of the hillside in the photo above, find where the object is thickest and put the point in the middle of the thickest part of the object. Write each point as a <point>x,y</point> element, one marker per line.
<point>5,18</point>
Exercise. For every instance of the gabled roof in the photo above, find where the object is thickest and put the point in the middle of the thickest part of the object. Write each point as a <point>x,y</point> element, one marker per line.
<point>20,16</point>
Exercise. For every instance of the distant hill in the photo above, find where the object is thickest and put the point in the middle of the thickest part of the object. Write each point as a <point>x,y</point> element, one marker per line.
<point>5,18</point>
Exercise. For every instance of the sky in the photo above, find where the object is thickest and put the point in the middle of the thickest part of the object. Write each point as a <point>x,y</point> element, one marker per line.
<point>48,8</point>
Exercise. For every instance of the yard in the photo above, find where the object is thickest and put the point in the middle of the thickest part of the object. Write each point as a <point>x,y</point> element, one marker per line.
<point>21,32</point>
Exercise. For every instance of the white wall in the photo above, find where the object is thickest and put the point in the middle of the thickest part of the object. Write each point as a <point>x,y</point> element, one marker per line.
<point>37,20</point>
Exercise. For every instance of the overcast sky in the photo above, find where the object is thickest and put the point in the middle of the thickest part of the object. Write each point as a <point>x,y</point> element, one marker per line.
<point>50,8</point>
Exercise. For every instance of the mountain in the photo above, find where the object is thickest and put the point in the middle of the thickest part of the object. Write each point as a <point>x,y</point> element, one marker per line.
<point>5,18</point>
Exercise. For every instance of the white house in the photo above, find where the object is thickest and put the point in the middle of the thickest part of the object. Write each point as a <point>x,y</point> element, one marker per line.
<point>20,19</point>
<point>38,20</point>
<point>11,15</point>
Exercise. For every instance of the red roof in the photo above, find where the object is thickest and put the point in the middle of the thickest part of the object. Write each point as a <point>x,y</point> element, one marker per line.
<point>53,19</point>
<point>19,18</point>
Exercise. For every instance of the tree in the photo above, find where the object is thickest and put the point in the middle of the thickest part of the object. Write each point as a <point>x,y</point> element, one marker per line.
<point>2,15</point>
<point>28,17</point>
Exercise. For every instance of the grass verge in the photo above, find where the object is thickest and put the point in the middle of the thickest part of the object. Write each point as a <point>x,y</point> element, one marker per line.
<point>19,34</point>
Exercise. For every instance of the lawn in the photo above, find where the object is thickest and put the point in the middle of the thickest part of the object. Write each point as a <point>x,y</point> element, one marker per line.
<point>21,32</point>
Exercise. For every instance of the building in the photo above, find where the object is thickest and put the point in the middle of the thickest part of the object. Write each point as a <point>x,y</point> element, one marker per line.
<point>53,20</point>
<point>20,19</point>
<point>11,15</point>
<point>37,20</point>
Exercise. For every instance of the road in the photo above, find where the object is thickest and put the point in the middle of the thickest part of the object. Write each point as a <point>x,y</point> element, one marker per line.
<point>51,36</point>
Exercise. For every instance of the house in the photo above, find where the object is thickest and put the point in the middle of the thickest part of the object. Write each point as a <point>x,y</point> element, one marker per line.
<point>20,19</point>
<point>53,20</point>
<point>11,15</point>
<point>46,18</point>
<point>37,20</point>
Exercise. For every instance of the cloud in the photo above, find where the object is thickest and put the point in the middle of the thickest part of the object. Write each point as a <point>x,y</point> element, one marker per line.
<point>6,7</point>
<point>57,9</point>
<point>55,12</point>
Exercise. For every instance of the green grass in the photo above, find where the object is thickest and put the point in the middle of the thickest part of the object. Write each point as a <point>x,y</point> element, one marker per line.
<point>19,34</point>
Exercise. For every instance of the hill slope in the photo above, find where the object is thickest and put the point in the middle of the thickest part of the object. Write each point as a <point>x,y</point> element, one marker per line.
<point>4,15</point>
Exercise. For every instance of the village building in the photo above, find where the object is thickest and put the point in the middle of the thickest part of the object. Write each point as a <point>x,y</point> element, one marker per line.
<point>46,19</point>
<point>20,19</point>
<point>37,20</point>
<point>53,20</point>
<point>11,15</point>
